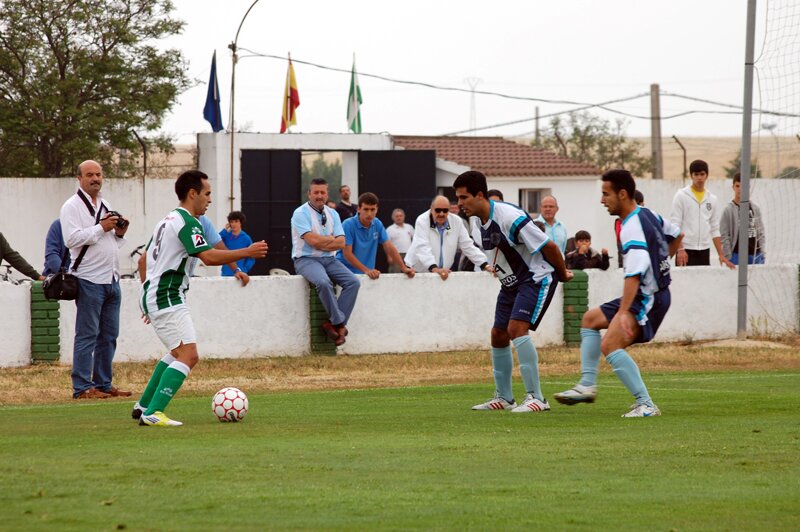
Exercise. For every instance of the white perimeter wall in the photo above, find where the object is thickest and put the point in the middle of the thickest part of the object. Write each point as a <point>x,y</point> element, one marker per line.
<point>396,314</point>
<point>704,301</point>
<point>270,317</point>
<point>15,324</point>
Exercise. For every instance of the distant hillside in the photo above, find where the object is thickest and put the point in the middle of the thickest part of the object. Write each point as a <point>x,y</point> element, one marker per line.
<point>719,151</point>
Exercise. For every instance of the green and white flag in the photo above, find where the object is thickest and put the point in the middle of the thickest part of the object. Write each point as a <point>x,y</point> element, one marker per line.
<point>354,103</point>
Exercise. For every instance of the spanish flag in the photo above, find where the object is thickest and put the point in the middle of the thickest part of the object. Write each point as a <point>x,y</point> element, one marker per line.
<point>291,100</point>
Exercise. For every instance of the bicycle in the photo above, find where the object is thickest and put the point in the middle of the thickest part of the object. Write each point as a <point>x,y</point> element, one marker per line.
<point>5,276</point>
<point>134,256</point>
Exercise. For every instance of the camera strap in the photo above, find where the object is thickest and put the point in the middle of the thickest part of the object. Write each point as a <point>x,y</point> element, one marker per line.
<point>96,221</point>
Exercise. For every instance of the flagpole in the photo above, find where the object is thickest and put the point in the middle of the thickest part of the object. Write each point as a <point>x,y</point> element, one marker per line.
<point>287,102</point>
<point>233,47</point>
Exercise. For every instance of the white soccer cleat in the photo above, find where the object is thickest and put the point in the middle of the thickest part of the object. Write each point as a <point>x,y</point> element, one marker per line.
<point>643,410</point>
<point>137,412</point>
<point>496,403</point>
<point>577,394</point>
<point>158,419</point>
<point>532,404</point>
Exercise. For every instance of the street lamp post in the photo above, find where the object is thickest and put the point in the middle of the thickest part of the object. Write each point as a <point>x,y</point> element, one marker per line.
<point>771,129</point>
<point>685,173</point>
<point>233,47</point>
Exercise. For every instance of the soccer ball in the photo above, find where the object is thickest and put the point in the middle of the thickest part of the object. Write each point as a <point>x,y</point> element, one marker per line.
<point>230,404</point>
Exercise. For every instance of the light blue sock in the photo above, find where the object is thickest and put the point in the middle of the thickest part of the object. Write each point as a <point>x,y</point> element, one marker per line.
<point>628,372</point>
<point>590,356</point>
<point>529,365</point>
<point>503,365</point>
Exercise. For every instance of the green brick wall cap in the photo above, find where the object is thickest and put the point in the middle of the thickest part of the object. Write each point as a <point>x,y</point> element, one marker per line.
<point>576,303</point>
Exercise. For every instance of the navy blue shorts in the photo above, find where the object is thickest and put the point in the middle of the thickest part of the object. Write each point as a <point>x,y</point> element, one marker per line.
<point>525,302</point>
<point>654,317</point>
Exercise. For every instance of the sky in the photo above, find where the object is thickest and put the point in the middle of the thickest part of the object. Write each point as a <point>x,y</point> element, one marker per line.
<point>579,51</point>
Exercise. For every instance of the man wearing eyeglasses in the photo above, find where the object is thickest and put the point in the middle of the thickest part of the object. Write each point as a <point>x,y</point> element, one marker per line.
<point>438,235</point>
<point>317,235</point>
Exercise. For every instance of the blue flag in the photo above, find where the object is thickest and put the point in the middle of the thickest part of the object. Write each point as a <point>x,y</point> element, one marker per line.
<point>211,111</point>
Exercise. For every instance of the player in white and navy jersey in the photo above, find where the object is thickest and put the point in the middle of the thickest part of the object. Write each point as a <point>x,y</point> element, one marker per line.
<point>648,241</point>
<point>529,266</point>
<point>177,244</point>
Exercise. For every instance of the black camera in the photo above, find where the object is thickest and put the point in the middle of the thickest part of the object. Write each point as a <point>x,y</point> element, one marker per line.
<point>121,223</point>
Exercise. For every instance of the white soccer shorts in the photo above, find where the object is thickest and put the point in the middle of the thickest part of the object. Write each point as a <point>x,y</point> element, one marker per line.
<point>174,326</point>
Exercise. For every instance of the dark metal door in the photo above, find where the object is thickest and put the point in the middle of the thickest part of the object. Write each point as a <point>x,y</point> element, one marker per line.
<point>270,194</point>
<point>404,179</point>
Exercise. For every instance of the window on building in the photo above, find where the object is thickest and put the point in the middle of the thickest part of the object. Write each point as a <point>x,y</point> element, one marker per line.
<point>531,198</point>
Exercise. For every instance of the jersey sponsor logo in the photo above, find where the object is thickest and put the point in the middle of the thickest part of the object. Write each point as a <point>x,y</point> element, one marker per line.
<point>198,240</point>
<point>508,280</point>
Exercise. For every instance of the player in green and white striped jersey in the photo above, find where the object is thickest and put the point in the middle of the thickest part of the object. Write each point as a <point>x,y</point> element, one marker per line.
<point>177,244</point>
<point>177,240</point>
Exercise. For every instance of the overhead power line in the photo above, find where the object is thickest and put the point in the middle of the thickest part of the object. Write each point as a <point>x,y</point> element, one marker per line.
<point>581,106</point>
<point>427,85</point>
<point>731,106</point>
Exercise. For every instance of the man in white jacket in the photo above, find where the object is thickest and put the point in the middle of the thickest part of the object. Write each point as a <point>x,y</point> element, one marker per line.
<point>697,212</point>
<point>438,234</point>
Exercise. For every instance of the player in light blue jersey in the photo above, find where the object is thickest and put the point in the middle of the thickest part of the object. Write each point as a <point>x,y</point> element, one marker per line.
<point>529,266</point>
<point>647,243</point>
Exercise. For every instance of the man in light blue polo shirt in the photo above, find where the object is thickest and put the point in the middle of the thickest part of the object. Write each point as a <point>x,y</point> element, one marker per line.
<point>362,235</point>
<point>552,227</point>
<point>316,237</point>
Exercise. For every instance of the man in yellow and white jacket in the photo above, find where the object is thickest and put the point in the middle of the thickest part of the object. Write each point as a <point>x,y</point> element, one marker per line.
<point>697,212</point>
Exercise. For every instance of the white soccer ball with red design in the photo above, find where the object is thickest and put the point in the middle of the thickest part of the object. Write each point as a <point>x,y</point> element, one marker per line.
<point>230,404</point>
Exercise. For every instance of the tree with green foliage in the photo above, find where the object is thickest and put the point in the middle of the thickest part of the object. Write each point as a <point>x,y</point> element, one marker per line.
<point>84,79</point>
<point>790,172</point>
<point>593,140</point>
<point>735,165</point>
<point>330,172</point>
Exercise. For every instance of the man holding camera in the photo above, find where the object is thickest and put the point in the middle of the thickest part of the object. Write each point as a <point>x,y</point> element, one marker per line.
<point>94,233</point>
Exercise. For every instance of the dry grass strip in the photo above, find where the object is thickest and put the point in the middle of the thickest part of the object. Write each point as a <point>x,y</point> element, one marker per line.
<point>51,383</point>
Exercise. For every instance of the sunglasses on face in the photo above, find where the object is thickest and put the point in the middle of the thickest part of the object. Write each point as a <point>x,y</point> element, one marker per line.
<point>441,211</point>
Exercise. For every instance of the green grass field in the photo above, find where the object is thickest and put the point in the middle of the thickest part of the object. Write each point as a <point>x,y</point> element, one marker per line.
<point>725,455</point>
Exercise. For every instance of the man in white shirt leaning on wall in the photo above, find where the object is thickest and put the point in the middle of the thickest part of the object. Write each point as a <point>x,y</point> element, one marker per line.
<point>438,235</point>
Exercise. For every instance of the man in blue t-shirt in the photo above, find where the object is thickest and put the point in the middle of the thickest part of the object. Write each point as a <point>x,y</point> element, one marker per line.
<point>235,237</point>
<point>362,235</point>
